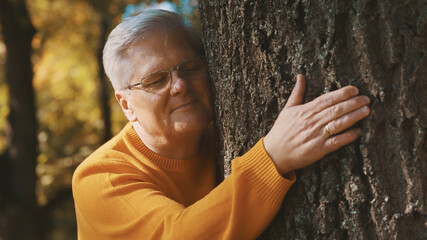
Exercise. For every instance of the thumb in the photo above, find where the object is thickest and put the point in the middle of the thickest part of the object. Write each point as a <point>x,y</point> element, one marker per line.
<point>297,94</point>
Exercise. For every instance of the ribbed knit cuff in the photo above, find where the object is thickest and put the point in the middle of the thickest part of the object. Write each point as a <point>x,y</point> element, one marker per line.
<point>263,174</point>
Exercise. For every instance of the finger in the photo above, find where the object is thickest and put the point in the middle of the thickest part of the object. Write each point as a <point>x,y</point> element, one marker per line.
<point>297,94</point>
<point>335,142</point>
<point>341,109</point>
<point>332,98</point>
<point>340,124</point>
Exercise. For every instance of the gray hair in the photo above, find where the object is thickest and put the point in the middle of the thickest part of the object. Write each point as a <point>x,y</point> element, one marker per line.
<point>116,57</point>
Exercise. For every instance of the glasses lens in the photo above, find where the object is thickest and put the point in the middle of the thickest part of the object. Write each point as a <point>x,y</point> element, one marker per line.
<point>193,67</point>
<point>155,82</point>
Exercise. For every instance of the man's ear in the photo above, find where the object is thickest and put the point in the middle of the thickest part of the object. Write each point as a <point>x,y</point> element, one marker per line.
<point>123,98</point>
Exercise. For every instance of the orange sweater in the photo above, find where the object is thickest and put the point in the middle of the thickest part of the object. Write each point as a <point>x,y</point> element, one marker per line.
<point>126,191</point>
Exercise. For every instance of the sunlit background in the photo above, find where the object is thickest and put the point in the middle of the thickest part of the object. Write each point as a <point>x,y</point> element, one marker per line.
<point>67,86</point>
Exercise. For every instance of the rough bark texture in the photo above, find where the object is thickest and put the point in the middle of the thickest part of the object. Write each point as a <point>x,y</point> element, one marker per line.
<point>374,188</point>
<point>19,213</point>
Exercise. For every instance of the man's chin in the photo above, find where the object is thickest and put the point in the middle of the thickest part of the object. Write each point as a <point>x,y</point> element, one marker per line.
<point>190,126</point>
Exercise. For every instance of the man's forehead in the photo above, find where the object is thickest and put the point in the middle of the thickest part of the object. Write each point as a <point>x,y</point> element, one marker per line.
<point>161,50</point>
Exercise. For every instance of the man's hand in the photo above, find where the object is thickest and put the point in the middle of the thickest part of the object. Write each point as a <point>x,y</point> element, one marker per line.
<point>299,137</point>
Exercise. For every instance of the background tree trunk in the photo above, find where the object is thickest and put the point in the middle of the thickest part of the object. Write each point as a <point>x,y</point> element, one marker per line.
<point>374,188</point>
<point>104,94</point>
<point>20,215</point>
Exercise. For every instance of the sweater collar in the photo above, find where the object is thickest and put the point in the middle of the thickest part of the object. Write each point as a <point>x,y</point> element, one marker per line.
<point>134,140</point>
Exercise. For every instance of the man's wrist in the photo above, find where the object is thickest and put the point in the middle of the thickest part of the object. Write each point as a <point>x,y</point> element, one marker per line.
<point>281,169</point>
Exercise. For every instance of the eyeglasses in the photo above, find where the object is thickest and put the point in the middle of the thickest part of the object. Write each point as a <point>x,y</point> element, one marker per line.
<point>191,69</point>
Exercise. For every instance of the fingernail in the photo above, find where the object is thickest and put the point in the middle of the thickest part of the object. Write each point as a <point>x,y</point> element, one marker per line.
<point>365,109</point>
<point>367,100</point>
<point>355,90</point>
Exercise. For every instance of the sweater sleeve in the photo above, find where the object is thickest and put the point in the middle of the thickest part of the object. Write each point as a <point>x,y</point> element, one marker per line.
<point>116,201</point>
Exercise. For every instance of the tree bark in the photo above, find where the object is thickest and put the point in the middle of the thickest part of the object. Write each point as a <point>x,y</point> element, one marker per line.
<point>374,188</point>
<point>19,211</point>
<point>102,80</point>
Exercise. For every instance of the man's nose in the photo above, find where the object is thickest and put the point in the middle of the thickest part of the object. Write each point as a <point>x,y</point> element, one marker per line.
<point>178,83</point>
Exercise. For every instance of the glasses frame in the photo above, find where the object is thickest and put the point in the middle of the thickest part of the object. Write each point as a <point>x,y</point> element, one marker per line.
<point>170,70</point>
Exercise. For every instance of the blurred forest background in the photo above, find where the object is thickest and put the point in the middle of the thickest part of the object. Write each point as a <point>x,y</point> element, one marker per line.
<point>71,100</point>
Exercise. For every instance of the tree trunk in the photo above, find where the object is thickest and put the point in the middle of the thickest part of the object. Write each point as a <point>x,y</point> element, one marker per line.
<point>102,81</point>
<point>20,216</point>
<point>374,188</point>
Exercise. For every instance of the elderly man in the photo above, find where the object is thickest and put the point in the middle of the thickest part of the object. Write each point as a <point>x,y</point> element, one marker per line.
<point>157,178</point>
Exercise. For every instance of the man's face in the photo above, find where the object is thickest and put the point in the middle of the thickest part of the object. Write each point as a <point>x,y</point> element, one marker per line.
<point>185,106</point>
